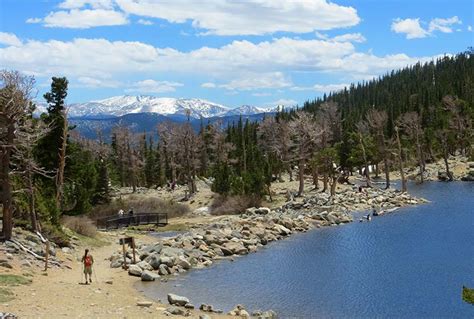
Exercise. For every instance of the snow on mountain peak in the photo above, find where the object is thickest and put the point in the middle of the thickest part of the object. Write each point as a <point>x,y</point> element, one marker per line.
<point>129,104</point>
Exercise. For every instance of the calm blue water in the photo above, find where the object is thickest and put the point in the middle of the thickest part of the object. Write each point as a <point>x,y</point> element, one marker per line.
<point>409,264</point>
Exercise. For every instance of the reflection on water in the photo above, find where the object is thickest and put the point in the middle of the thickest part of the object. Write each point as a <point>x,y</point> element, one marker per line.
<point>409,264</point>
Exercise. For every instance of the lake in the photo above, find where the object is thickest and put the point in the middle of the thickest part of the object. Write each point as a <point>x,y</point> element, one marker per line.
<point>409,264</point>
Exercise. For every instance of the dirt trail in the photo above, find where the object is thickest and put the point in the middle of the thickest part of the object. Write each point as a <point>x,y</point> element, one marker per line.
<point>59,294</point>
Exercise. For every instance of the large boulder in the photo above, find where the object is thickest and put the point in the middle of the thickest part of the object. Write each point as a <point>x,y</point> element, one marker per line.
<point>135,270</point>
<point>163,270</point>
<point>144,265</point>
<point>177,300</point>
<point>168,261</point>
<point>235,247</point>
<point>184,263</point>
<point>282,230</point>
<point>149,276</point>
<point>153,261</point>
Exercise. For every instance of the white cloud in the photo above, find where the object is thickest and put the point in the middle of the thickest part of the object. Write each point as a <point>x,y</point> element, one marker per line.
<point>152,86</point>
<point>252,81</point>
<point>284,102</point>
<point>89,82</point>
<point>411,27</point>
<point>95,4</point>
<point>250,17</point>
<point>350,37</point>
<point>34,20</point>
<point>84,19</point>
<point>145,22</point>
<point>261,94</point>
<point>209,85</point>
<point>240,65</point>
<point>469,28</point>
<point>324,88</point>
<point>443,25</point>
<point>9,39</point>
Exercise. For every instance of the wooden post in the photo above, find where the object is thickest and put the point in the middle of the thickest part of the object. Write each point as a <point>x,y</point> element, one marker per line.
<point>124,256</point>
<point>46,256</point>
<point>133,249</point>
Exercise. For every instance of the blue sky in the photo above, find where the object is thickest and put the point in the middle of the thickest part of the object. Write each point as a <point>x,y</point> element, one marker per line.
<point>257,52</point>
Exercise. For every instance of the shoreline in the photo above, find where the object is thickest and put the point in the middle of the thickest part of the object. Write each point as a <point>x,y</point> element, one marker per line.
<point>232,236</point>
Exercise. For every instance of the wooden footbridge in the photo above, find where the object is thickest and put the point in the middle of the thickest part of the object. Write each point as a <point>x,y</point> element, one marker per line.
<point>115,222</point>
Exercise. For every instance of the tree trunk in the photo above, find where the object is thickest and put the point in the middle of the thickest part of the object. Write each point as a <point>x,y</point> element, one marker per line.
<point>366,164</point>
<point>420,158</point>
<point>377,170</point>
<point>385,161</point>
<point>301,176</point>
<point>333,185</point>
<point>448,172</point>
<point>31,201</point>
<point>6,197</point>
<point>62,165</point>
<point>315,178</point>
<point>325,182</point>
<point>400,162</point>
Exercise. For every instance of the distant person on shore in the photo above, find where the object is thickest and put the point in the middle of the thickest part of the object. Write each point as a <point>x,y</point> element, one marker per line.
<point>120,213</point>
<point>87,261</point>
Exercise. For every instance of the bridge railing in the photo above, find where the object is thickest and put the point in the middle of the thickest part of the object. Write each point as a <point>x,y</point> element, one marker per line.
<point>115,222</point>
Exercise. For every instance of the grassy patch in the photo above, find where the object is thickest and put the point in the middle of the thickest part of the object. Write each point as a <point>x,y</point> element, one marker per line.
<point>468,295</point>
<point>8,281</point>
<point>5,295</point>
<point>13,280</point>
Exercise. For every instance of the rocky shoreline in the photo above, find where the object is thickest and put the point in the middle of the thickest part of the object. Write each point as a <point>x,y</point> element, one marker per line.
<point>236,235</point>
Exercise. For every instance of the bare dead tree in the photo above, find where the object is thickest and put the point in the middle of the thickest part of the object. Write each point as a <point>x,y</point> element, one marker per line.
<point>15,96</point>
<point>276,139</point>
<point>400,160</point>
<point>460,123</point>
<point>444,137</point>
<point>305,134</point>
<point>127,155</point>
<point>377,121</point>
<point>329,121</point>
<point>59,179</point>
<point>25,165</point>
<point>362,129</point>
<point>410,123</point>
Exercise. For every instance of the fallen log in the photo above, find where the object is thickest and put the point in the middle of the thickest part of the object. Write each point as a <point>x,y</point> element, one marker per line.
<point>23,248</point>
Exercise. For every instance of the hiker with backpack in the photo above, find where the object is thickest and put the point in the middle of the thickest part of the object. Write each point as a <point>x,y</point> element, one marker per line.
<point>87,261</point>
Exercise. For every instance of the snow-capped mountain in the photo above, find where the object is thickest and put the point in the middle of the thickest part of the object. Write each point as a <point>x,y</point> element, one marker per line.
<point>126,104</point>
<point>249,110</point>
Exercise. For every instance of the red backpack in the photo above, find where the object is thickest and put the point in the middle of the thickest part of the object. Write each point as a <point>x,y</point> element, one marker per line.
<point>87,261</point>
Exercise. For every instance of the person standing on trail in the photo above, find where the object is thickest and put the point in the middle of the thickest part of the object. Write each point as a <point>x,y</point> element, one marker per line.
<point>87,261</point>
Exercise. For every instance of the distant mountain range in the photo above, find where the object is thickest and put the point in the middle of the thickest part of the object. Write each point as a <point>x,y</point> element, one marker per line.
<point>143,113</point>
<point>126,104</point>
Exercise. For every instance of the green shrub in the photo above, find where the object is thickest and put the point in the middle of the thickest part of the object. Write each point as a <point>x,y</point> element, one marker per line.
<point>468,295</point>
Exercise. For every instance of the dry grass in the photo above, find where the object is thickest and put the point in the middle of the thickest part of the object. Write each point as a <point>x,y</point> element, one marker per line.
<point>80,224</point>
<point>140,205</point>
<point>231,205</point>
